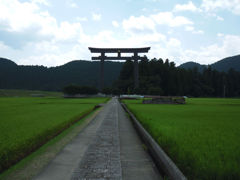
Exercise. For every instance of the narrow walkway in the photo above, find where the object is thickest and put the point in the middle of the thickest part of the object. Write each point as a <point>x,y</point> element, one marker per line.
<point>135,161</point>
<point>108,148</point>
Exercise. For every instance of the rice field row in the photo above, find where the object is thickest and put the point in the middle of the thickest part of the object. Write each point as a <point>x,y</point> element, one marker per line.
<point>201,137</point>
<point>26,123</point>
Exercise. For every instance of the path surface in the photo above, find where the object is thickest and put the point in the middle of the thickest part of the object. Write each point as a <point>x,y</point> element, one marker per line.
<point>108,148</point>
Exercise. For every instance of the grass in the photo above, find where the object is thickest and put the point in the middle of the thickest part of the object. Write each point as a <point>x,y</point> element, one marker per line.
<point>27,93</point>
<point>202,137</point>
<point>26,123</point>
<point>33,164</point>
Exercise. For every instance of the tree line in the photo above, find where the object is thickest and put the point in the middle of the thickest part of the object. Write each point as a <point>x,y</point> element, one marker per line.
<point>158,77</point>
<point>76,89</point>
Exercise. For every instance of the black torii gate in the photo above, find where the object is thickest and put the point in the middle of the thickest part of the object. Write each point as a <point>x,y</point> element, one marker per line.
<point>135,57</point>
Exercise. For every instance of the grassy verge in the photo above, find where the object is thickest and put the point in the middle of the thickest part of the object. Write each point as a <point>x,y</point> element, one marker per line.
<point>28,123</point>
<point>33,164</point>
<point>202,137</point>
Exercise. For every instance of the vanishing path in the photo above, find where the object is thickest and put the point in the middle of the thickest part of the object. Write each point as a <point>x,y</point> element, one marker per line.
<point>108,148</point>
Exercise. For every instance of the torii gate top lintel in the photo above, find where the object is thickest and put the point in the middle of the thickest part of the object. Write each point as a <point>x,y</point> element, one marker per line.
<point>119,56</point>
<point>117,50</point>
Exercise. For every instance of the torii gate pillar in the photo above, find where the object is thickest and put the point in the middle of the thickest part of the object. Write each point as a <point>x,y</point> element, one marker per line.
<point>136,71</point>
<point>101,85</point>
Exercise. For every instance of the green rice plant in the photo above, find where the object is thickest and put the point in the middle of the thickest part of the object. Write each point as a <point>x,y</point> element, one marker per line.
<point>201,137</point>
<point>28,93</point>
<point>27,123</point>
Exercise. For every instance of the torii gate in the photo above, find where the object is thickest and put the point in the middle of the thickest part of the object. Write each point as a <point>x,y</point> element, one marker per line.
<point>135,57</point>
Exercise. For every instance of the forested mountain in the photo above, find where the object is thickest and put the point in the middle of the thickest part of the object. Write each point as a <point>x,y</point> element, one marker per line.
<point>78,72</point>
<point>163,78</point>
<point>157,77</point>
<point>192,65</point>
<point>223,65</point>
<point>227,63</point>
<point>6,63</point>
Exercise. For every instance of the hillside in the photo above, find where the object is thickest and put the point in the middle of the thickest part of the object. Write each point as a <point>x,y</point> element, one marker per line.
<point>227,63</point>
<point>13,76</point>
<point>192,65</point>
<point>6,63</point>
<point>222,65</point>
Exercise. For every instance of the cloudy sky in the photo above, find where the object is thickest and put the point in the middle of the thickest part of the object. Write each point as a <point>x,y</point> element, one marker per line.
<point>53,32</point>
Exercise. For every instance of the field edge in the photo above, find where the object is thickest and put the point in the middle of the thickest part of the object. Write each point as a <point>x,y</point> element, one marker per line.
<point>32,164</point>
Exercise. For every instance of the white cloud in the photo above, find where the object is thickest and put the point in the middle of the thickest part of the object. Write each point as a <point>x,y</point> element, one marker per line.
<point>189,28</point>
<point>20,17</point>
<point>167,18</point>
<point>220,34</point>
<point>48,53</point>
<point>106,38</point>
<point>170,31</point>
<point>147,39</point>
<point>156,0</point>
<point>73,5</point>
<point>115,24</point>
<point>44,2</point>
<point>55,40</point>
<point>148,23</point>
<point>198,32</point>
<point>96,17</point>
<point>3,48</point>
<point>186,7</point>
<point>68,31</point>
<point>81,19</point>
<point>214,5</point>
<point>192,29</point>
<point>212,53</point>
<point>172,49</point>
<point>231,44</point>
<point>220,18</point>
<point>13,13</point>
<point>173,42</point>
<point>138,24</point>
<point>211,14</point>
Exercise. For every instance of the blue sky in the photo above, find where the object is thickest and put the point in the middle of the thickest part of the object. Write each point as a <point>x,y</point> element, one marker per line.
<point>53,32</point>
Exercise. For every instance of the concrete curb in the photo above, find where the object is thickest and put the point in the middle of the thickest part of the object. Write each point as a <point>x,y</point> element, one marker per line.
<point>164,163</point>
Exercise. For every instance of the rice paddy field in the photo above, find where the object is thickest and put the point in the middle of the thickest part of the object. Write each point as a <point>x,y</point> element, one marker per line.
<point>202,137</point>
<point>26,123</point>
<point>28,93</point>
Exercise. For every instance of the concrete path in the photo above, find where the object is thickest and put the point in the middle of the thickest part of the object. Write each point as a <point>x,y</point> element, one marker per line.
<point>108,148</point>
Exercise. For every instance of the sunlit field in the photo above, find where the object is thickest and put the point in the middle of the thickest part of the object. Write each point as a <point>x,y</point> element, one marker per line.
<point>26,123</point>
<point>201,137</point>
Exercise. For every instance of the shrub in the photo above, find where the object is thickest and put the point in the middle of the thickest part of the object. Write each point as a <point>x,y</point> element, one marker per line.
<point>75,89</point>
<point>71,89</point>
<point>107,90</point>
<point>155,91</point>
